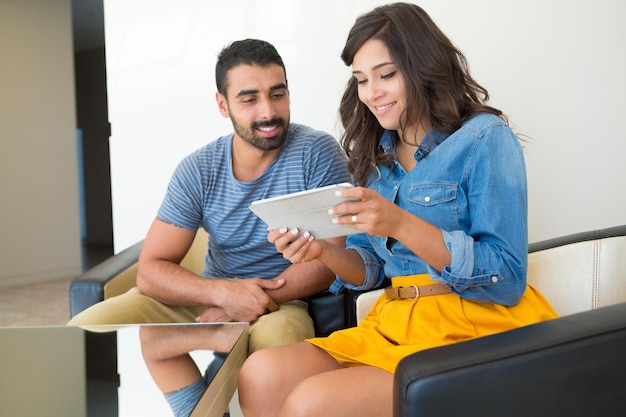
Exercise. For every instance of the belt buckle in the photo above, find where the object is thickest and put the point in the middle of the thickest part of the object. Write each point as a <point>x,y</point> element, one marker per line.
<point>417,292</point>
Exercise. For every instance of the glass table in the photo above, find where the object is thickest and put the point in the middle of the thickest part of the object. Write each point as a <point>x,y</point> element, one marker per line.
<point>116,370</point>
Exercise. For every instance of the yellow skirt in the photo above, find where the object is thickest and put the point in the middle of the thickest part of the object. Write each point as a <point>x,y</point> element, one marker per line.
<point>394,329</point>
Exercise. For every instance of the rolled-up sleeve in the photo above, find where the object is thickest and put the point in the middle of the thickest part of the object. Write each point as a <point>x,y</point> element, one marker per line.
<point>374,271</point>
<point>461,249</point>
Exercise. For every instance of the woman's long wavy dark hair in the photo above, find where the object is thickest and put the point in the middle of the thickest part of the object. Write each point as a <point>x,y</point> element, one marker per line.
<point>436,75</point>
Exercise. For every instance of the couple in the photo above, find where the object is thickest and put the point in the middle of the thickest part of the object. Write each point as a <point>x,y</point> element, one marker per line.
<point>441,181</point>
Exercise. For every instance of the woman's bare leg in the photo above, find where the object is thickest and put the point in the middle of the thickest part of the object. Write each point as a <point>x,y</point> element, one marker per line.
<point>269,375</point>
<point>362,391</point>
<point>300,379</point>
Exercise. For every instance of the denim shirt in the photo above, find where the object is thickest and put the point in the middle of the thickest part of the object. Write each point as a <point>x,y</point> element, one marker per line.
<point>472,185</point>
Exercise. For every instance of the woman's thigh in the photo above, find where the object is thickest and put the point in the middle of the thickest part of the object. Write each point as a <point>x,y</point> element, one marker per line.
<point>358,391</point>
<point>269,375</point>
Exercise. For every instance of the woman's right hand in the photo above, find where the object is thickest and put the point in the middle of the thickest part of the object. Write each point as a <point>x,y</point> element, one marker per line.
<point>296,249</point>
<point>331,252</point>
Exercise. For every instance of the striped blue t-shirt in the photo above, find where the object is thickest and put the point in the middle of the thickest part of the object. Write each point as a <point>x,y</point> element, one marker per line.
<point>204,192</point>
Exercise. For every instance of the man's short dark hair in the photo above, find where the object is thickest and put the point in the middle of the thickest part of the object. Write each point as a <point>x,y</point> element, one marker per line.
<point>244,52</point>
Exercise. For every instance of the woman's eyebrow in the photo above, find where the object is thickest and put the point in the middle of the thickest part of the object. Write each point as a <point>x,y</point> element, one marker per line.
<point>375,67</point>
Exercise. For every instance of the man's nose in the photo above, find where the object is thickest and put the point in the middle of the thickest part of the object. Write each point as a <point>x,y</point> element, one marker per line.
<point>266,109</point>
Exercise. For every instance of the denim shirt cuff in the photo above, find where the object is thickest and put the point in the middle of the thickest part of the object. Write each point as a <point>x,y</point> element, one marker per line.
<point>373,274</point>
<point>461,249</point>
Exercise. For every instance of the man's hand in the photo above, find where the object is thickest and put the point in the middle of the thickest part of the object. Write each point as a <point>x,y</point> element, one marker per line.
<point>242,300</point>
<point>213,315</point>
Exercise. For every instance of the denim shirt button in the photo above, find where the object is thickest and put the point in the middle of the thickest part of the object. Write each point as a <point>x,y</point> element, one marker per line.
<point>427,199</point>
<point>494,279</point>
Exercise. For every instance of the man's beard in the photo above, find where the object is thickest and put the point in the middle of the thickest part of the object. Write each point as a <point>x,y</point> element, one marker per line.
<point>264,143</point>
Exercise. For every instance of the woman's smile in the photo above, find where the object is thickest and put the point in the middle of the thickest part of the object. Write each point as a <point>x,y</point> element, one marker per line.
<point>381,110</point>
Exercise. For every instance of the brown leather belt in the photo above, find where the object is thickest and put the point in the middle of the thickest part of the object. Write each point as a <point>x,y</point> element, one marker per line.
<point>413,292</point>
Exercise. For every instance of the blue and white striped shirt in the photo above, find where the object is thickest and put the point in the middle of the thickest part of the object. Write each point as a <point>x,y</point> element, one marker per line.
<point>204,192</point>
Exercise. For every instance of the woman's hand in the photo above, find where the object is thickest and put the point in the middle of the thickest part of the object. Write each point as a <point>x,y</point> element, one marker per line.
<point>296,249</point>
<point>372,214</point>
<point>378,216</point>
<point>331,252</point>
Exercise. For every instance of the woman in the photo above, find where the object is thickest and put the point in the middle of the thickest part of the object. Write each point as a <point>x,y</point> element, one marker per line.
<point>443,206</point>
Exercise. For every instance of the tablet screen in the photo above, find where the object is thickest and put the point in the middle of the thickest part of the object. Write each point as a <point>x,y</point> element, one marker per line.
<point>307,210</point>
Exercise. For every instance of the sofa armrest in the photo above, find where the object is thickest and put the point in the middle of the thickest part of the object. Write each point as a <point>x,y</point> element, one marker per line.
<point>113,276</point>
<point>573,365</point>
<point>615,231</point>
<point>365,301</point>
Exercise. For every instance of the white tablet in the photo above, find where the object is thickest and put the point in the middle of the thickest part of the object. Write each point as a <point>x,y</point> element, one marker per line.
<point>307,210</point>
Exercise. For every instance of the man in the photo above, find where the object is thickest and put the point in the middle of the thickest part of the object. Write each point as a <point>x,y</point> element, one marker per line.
<point>245,278</point>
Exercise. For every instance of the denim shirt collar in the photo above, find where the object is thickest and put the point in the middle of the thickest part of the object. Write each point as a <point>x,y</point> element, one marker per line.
<point>387,143</point>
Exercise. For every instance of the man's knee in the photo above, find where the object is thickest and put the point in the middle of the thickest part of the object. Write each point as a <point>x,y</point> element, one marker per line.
<point>114,310</point>
<point>290,324</point>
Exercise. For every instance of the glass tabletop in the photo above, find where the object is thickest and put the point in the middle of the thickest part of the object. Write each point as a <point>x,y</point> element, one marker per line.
<point>117,370</point>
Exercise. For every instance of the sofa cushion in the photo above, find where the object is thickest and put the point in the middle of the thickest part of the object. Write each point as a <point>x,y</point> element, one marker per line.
<point>580,276</point>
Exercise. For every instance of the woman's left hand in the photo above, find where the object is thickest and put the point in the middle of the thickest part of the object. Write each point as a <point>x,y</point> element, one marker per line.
<point>372,214</point>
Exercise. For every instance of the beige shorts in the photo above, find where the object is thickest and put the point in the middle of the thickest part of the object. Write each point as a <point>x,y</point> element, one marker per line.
<point>291,323</point>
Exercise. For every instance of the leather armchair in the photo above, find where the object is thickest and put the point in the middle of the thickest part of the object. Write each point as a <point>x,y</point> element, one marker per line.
<point>572,366</point>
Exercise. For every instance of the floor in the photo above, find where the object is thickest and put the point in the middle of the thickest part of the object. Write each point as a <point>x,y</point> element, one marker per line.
<point>43,304</point>
<point>46,303</point>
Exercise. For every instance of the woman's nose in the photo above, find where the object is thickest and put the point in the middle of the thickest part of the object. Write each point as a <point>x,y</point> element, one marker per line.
<point>373,91</point>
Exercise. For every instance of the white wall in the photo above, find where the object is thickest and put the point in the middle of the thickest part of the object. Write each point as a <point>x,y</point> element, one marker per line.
<point>39,219</point>
<point>555,67</point>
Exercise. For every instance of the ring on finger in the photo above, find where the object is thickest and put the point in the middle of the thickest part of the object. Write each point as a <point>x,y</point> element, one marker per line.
<point>354,218</point>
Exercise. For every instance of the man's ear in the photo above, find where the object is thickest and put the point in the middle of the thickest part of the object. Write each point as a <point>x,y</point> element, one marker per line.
<point>222,104</point>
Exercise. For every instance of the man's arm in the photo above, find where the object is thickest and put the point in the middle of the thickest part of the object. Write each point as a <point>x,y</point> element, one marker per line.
<point>301,280</point>
<point>160,276</point>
